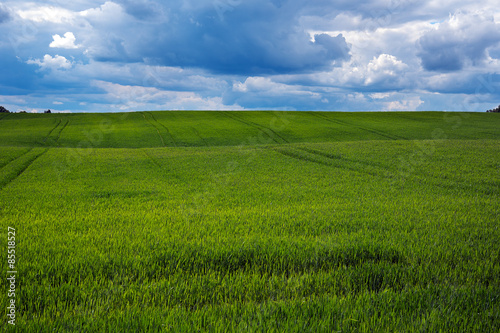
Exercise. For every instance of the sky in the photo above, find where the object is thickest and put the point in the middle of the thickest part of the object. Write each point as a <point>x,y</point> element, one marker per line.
<point>341,55</point>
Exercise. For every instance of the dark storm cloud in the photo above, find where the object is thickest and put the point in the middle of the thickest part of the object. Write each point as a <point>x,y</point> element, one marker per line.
<point>242,38</point>
<point>4,14</point>
<point>145,10</point>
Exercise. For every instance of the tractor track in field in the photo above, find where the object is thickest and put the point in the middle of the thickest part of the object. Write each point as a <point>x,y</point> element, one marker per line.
<point>155,162</point>
<point>340,122</point>
<point>15,158</point>
<point>60,131</point>
<point>5,182</point>
<point>341,158</point>
<point>333,162</point>
<point>261,128</point>
<point>338,162</point>
<point>10,178</point>
<point>52,130</point>
<point>156,128</point>
<point>195,131</point>
<point>486,189</point>
<point>4,116</point>
<point>166,129</point>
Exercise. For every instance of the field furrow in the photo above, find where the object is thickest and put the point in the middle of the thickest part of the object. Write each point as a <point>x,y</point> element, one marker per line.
<point>155,162</point>
<point>268,132</point>
<point>268,129</point>
<point>54,135</point>
<point>308,155</point>
<point>172,140</point>
<point>195,131</point>
<point>339,157</point>
<point>10,157</point>
<point>15,168</point>
<point>52,130</point>
<point>56,139</point>
<point>340,122</point>
<point>156,128</point>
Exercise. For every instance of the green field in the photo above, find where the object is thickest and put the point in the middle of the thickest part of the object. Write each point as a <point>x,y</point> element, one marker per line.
<point>252,221</point>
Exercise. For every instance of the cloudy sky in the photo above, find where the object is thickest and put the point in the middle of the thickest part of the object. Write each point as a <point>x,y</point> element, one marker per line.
<point>122,55</point>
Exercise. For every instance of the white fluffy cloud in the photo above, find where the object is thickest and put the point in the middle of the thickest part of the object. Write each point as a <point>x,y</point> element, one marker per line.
<point>49,62</point>
<point>384,67</point>
<point>268,87</point>
<point>41,14</point>
<point>126,97</point>
<point>407,104</point>
<point>461,40</point>
<point>381,73</point>
<point>66,42</point>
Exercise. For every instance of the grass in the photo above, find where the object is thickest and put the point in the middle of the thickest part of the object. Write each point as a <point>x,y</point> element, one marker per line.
<point>234,128</point>
<point>253,221</point>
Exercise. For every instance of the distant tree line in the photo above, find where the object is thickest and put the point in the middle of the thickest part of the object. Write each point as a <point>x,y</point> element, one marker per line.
<point>497,109</point>
<point>4,110</point>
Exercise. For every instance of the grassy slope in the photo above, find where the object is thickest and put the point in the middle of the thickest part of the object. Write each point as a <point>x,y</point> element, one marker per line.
<point>306,222</point>
<point>224,128</point>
